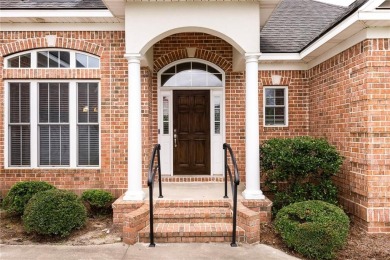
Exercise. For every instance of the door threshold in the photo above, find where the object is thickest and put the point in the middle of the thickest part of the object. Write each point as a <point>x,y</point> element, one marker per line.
<point>193,178</point>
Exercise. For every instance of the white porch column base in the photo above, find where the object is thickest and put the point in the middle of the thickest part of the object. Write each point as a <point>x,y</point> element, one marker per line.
<point>134,138</point>
<point>134,195</point>
<point>252,153</point>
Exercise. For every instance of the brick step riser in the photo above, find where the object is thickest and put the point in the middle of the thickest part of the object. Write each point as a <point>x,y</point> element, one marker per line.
<point>192,204</point>
<point>193,220</point>
<point>224,239</point>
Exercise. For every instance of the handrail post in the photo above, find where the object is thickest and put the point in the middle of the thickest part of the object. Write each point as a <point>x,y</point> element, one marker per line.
<point>234,244</point>
<point>225,166</point>
<point>151,233</point>
<point>159,171</point>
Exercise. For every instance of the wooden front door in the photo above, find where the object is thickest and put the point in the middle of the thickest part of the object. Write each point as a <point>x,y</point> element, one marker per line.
<point>191,129</point>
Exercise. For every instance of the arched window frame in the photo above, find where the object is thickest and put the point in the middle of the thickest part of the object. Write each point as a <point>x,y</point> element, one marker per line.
<point>76,58</point>
<point>210,71</point>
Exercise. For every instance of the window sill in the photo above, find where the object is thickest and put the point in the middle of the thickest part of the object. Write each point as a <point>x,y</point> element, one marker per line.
<point>51,168</point>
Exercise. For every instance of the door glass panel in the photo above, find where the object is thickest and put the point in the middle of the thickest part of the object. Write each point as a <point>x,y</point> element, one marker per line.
<point>165,115</point>
<point>217,115</point>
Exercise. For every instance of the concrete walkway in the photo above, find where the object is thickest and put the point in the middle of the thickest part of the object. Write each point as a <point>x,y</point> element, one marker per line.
<point>121,251</point>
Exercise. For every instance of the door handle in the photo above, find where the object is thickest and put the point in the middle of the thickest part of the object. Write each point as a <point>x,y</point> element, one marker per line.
<point>175,138</point>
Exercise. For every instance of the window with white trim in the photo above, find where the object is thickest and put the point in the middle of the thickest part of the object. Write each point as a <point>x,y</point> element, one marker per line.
<point>51,59</point>
<point>275,106</point>
<point>53,124</point>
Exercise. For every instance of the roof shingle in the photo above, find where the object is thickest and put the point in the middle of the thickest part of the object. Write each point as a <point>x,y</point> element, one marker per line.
<point>296,23</point>
<point>52,4</point>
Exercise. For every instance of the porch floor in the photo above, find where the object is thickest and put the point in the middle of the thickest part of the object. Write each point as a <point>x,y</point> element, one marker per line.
<point>193,191</point>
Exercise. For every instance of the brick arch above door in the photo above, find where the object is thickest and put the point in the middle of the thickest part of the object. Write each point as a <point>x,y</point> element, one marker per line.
<point>203,54</point>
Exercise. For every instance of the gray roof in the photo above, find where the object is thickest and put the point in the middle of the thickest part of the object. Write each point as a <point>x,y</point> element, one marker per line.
<point>296,23</point>
<point>52,4</point>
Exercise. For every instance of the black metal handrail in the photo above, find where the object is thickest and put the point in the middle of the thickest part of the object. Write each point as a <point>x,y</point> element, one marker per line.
<point>151,176</point>
<point>234,184</point>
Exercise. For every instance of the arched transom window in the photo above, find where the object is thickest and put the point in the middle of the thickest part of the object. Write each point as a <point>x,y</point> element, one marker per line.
<point>52,58</point>
<point>191,74</point>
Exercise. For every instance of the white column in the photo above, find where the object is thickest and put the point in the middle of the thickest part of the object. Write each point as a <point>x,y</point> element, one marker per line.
<point>134,138</point>
<point>252,164</point>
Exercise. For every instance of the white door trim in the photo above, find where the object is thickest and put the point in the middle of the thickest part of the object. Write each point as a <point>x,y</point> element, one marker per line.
<point>216,140</point>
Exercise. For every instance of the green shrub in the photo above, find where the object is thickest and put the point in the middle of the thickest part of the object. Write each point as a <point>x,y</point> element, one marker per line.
<point>19,195</point>
<point>97,201</point>
<point>315,229</point>
<point>54,212</point>
<point>299,169</point>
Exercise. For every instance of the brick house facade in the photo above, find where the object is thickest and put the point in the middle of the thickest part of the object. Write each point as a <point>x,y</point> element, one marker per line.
<point>343,96</point>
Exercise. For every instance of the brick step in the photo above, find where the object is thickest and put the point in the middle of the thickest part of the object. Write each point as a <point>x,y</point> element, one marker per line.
<point>193,215</point>
<point>191,232</point>
<point>192,203</point>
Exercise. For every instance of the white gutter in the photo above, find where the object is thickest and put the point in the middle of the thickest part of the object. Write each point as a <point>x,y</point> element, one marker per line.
<point>54,13</point>
<point>280,57</point>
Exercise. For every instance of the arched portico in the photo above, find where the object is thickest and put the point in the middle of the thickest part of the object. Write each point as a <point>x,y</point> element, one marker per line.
<point>144,20</point>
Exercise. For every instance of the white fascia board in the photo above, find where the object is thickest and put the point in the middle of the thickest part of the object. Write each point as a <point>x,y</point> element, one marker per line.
<point>371,5</point>
<point>54,13</point>
<point>379,15</point>
<point>280,57</point>
<point>6,27</point>
<point>283,66</point>
<point>329,35</point>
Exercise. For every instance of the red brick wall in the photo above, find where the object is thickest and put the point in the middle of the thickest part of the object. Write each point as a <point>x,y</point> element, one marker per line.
<point>109,46</point>
<point>349,105</point>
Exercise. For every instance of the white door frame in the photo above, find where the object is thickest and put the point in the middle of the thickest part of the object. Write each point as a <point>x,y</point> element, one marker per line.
<point>216,140</point>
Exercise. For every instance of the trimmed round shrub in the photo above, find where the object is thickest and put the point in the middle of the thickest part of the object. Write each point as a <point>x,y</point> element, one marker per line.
<point>19,195</point>
<point>299,169</point>
<point>97,201</point>
<point>316,229</point>
<point>54,212</point>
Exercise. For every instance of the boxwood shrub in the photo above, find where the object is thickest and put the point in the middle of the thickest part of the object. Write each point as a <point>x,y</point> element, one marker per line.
<point>316,229</point>
<point>97,201</point>
<point>54,212</point>
<point>299,169</point>
<point>20,193</point>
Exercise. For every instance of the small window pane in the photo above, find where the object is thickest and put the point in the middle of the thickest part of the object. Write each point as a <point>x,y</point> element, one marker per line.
<point>212,70</point>
<point>53,59</point>
<point>165,115</point>
<point>171,70</point>
<point>81,61</point>
<point>279,101</point>
<point>42,59</point>
<point>217,115</point>
<point>183,66</point>
<point>64,59</point>
<point>54,103</point>
<point>20,145</point>
<point>93,103</point>
<point>54,145</point>
<point>83,103</point>
<point>199,66</point>
<point>93,62</point>
<point>88,136</point>
<point>13,62</point>
<point>25,60</point>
